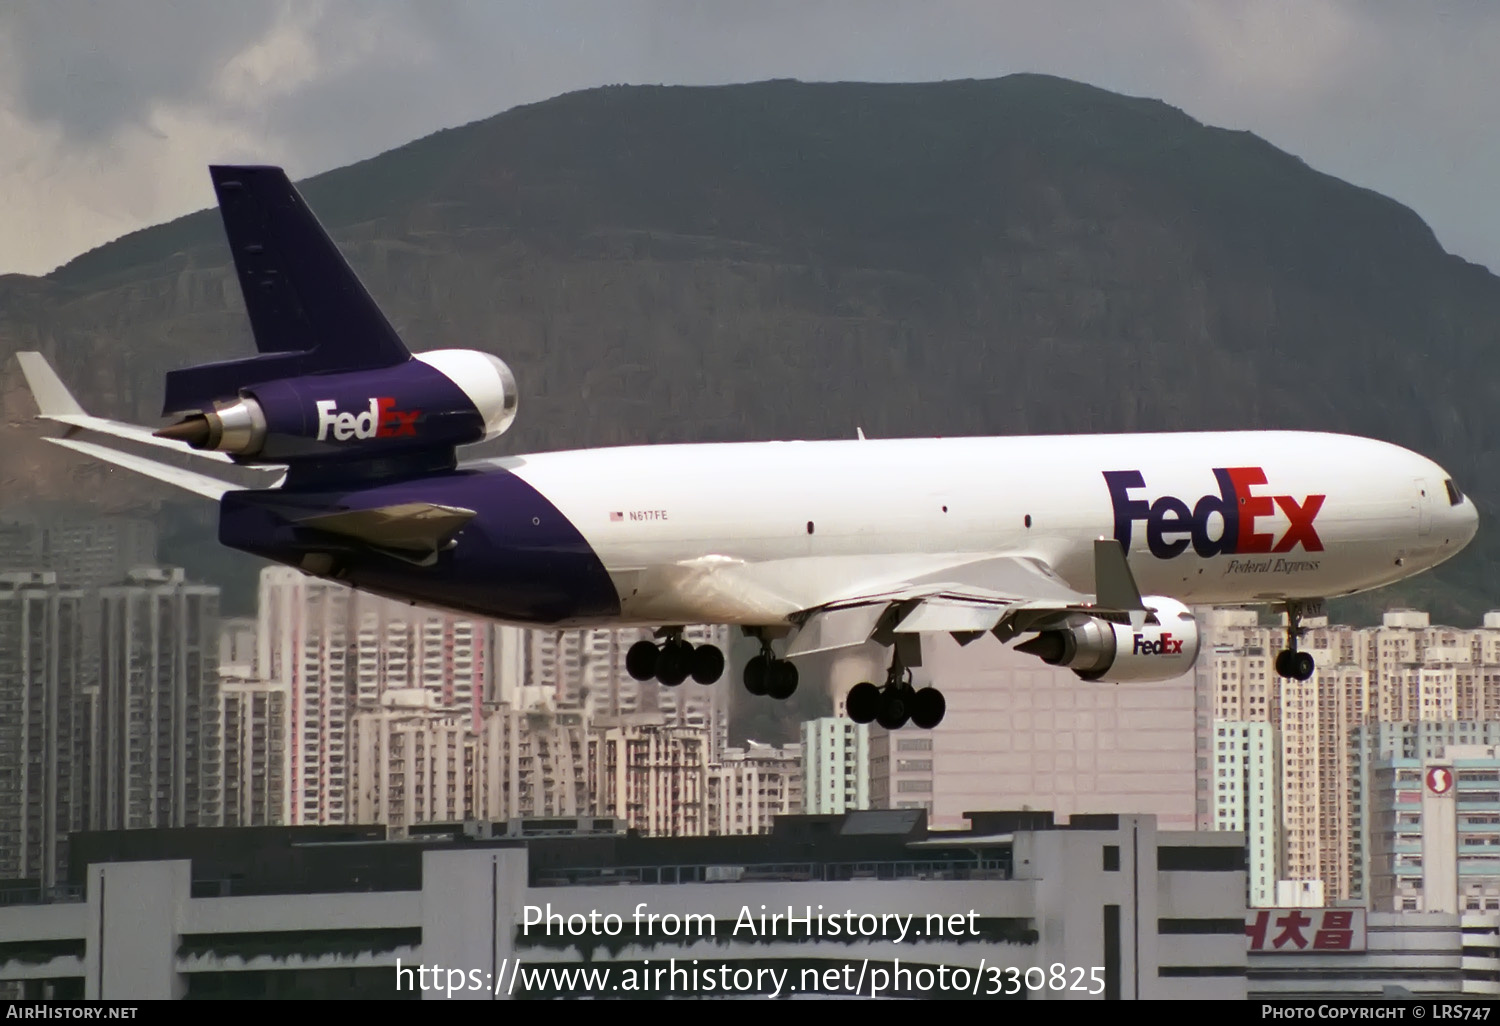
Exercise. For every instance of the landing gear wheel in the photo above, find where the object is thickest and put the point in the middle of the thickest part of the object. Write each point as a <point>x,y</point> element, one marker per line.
<point>863,703</point>
<point>673,664</point>
<point>708,664</point>
<point>1285,663</point>
<point>927,708</point>
<point>781,679</point>
<point>1290,661</point>
<point>756,675</point>
<point>894,709</point>
<point>640,661</point>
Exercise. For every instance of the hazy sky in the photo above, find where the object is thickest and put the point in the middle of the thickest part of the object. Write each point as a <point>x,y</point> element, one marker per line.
<point>110,112</point>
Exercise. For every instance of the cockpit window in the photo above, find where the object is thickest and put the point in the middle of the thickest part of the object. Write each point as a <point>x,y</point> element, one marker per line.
<point>1454,495</point>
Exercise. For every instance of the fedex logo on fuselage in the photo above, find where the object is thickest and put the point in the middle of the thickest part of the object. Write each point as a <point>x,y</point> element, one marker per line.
<point>1171,525</point>
<point>381,420</point>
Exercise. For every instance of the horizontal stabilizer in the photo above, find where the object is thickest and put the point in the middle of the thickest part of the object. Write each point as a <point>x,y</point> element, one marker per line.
<point>198,484</point>
<point>52,397</point>
<point>55,403</point>
<point>413,527</point>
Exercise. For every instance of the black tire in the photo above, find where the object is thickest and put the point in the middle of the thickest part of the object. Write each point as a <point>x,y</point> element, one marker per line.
<point>673,664</point>
<point>893,712</point>
<point>1303,665</point>
<point>863,703</point>
<point>756,676</point>
<point>708,664</point>
<point>927,708</point>
<point>1284,664</point>
<point>640,661</point>
<point>781,680</point>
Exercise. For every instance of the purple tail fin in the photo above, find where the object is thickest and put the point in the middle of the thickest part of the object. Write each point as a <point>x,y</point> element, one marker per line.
<point>308,310</point>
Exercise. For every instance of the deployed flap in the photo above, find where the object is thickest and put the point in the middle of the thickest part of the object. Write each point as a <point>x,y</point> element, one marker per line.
<point>1004,595</point>
<point>835,629</point>
<point>418,527</point>
<point>950,616</point>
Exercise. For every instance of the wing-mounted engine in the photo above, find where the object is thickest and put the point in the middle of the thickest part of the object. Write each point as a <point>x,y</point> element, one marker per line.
<point>432,401</point>
<point>1118,653</point>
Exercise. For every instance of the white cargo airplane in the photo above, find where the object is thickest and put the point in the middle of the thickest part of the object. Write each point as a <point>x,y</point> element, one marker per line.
<point>1092,545</point>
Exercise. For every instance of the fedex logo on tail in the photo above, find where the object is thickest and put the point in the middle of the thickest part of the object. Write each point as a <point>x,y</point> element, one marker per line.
<point>1172,525</point>
<point>381,420</point>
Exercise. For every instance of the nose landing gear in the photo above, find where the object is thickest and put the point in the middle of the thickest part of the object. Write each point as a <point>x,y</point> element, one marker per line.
<point>1291,662</point>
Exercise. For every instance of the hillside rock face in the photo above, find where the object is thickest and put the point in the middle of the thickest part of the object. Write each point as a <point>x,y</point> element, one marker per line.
<point>1023,255</point>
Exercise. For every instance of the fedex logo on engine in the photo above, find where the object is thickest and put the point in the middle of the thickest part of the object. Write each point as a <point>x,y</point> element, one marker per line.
<point>1165,645</point>
<point>1171,525</point>
<point>381,420</point>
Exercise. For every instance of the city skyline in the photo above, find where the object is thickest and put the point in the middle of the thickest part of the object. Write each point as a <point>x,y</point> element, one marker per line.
<point>334,707</point>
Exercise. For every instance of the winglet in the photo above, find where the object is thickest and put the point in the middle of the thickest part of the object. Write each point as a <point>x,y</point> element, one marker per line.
<point>53,399</point>
<point>861,432</point>
<point>1114,584</point>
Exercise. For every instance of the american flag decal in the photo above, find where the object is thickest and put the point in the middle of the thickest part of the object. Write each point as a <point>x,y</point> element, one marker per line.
<point>616,517</point>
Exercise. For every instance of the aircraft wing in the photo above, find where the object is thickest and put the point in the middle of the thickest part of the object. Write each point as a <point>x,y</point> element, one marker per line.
<point>1004,595</point>
<point>55,403</point>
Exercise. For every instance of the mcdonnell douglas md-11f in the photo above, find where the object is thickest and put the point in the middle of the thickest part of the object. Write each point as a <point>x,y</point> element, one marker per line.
<point>1088,548</point>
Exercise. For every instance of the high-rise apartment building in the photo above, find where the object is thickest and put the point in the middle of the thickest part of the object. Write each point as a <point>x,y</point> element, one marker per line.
<point>1380,749</point>
<point>153,753</point>
<point>1246,778</point>
<point>651,776</point>
<point>43,792</point>
<point>335,653</point>
<point>1406,671</point>
<point>1434,832</point>
<point>253,717</point>
<point>305,650</point>
<point>419,768</point>
<point>584,669</point>
<point>86,552</point>
<point>749,787</point>
<point>548,755</point>
<point>835,766</point>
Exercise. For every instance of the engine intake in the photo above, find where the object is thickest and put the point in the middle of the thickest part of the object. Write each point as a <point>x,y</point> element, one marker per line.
<point>1098,650</point>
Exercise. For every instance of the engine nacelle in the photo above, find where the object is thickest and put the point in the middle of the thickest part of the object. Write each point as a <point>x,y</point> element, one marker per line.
<point>434,400</point>
<point>1114,653</point>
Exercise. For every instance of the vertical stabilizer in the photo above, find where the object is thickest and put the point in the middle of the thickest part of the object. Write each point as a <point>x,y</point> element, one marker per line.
<point>309,312</point>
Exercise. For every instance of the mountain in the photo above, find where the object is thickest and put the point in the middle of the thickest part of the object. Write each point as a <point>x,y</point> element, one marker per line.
<point>781,259</point>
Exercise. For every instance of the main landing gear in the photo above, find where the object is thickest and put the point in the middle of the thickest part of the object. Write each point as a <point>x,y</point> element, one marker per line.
<point>768,674</point>
<point>1291,662</point>
<point>674,661</point>
<point>897,703</point>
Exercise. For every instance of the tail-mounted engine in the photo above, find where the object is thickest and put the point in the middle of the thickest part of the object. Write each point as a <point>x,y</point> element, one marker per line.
<point>432,401</point>
<point>1098,650</point>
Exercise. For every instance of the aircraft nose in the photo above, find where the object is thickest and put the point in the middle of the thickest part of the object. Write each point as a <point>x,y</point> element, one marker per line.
<point>1461,518</point>
<point>1468,520</point>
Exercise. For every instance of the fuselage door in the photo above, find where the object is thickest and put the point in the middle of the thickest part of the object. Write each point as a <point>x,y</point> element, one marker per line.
<point>1424,508</point>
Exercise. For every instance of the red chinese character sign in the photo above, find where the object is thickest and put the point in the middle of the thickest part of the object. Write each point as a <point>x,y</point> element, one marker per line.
<point>1439,779</point>
<point>1295,931</point>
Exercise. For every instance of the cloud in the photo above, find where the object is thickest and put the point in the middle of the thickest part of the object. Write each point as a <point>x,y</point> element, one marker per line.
<point>111,112</point>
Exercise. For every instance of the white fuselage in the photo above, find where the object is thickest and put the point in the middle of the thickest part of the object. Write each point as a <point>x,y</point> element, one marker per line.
<point>749,533</point>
